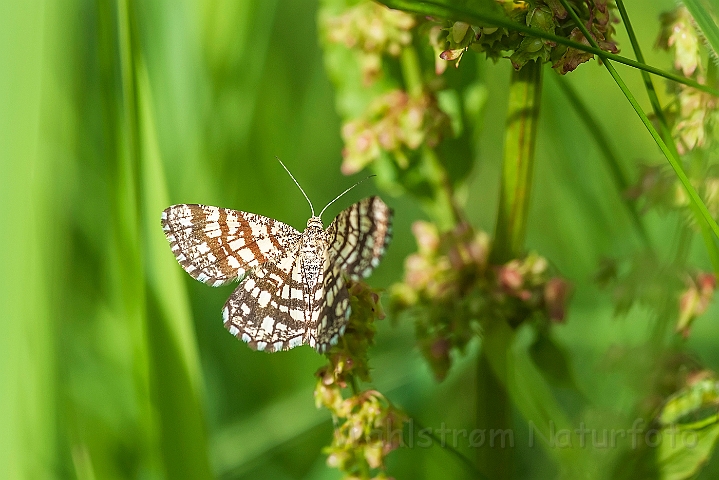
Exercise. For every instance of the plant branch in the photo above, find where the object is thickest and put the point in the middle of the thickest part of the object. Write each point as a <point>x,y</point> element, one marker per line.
<point>431,8</point>
<point>666,133</point>
<point>493,402</point>
<point>696,202</point>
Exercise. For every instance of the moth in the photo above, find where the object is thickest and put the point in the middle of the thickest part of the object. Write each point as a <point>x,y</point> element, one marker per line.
<point>293,285</point>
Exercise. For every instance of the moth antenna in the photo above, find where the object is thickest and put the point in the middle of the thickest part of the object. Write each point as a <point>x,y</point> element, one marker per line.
<point>338,196</point>
<point>298,186</point>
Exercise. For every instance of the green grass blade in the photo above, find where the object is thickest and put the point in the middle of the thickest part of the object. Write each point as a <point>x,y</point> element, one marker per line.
<point>706,14</point>
<point>168,351</point>
<point>175,373</point>
<point>711,246</point>
<point>696,202</point>
<point>609,154</point>
<point>483,17</point>
<point>28,418</point>
<point>128,239</point>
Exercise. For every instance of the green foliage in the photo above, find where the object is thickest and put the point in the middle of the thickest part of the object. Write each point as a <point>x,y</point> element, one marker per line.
<point>705,14</point>
<point>115,363</point>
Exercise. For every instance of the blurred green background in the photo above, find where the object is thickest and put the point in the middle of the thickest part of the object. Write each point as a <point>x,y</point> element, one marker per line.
<point>114,363</point>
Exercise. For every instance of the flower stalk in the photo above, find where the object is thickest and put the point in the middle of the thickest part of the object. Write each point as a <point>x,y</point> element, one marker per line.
<point>493,404</point>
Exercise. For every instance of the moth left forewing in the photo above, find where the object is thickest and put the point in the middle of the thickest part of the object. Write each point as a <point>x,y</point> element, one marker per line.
<point>218,245</point>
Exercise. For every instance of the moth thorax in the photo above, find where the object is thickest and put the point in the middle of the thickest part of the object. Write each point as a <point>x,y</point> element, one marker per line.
<point>315,222</point>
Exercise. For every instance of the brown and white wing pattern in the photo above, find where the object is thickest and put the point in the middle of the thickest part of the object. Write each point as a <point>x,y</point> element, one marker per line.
<point>334,311</point>
<point>358,237</point>
<point>293,285</point>
<point>268,310</point>
<point>218,245</point>
<point>356,240</point>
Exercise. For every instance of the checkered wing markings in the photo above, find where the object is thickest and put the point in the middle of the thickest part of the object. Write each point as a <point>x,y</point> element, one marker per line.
<point>359,235</point>
<point>334,311</point>
<point>267,310</point>
<point>218,245</point>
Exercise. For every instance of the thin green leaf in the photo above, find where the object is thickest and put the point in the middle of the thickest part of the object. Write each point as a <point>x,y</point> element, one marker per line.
<point>479,7</point>
<point>696,202</point>
<point>476,16</point>
<point>705,14</point>
<point>175,371</point>
<point>711,247</point>
<point>28,251</point>
<point>169,364</point>
<point>126,244</point>
<point>609,154</point>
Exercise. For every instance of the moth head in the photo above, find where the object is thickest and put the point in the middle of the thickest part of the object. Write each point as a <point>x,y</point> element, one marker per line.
<point>315,222</point>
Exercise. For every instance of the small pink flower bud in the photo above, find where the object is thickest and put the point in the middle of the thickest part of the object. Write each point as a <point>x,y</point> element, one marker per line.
<point>510,278</point>
<point>556,293</point>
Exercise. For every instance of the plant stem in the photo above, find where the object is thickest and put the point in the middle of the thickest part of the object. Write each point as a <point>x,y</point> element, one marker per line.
<point>411,72</point>
<point>493,415</point>
<point>522,116</point>
<point>493,402</point>
<point>442,208</point>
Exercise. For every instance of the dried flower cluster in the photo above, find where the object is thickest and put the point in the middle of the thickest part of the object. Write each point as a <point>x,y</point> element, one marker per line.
<point>695,113</point>
<point>367,425</point>
<point>451,289</point>
<point>693,117</point>
<point>394,123</point>
<point>371,30</point>
<point>695,300</point>
<point>659,188</point>
<point>546,15</point>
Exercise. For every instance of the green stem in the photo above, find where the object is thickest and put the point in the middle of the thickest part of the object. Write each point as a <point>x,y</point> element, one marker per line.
<point>665,131</point>
<point>524,99</point>
<point>493,414</point>
<point>493,402</point>
<point>455,12</point>
<point>696,203</point>
<point>442,208</point>
<point>411,72</point>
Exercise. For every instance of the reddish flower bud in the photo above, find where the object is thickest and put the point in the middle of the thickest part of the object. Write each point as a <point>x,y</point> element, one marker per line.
<point>556,295</point>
